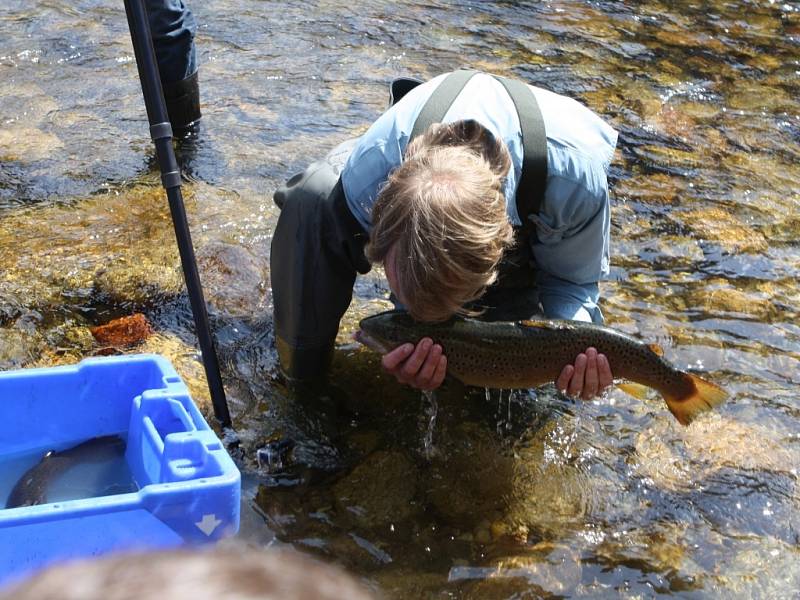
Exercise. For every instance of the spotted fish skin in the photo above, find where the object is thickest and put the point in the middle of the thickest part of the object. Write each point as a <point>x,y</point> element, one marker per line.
<point>32,487</point>
<point>527,354</point>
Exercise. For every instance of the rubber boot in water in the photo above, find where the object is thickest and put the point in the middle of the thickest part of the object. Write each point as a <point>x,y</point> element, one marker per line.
<point>183,105</point>
<point>305,369</point>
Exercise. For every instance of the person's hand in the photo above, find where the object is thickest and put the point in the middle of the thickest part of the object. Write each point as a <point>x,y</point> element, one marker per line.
<point>588,377</point>
<point>422,367</point>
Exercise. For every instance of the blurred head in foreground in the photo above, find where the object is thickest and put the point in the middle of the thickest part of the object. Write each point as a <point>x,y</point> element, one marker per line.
<point>219,574</point>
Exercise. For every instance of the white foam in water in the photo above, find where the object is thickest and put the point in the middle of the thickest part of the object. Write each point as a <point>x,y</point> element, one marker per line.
<point>430,411</point>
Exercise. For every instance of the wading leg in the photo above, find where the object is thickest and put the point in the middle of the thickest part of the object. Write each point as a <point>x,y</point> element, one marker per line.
<point>173,28</point>
<point>317,250</point>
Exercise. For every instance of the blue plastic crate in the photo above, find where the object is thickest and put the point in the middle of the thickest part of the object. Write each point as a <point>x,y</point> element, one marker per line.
<point>188,487</point>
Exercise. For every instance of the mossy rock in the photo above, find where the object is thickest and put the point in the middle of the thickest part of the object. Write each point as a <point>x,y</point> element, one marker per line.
<point>379,491</point>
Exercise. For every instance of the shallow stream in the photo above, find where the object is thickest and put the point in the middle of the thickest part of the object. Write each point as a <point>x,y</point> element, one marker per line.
<point>469,493</point>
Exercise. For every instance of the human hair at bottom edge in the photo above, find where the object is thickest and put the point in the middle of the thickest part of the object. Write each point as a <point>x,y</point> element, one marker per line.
<point>220,573</point>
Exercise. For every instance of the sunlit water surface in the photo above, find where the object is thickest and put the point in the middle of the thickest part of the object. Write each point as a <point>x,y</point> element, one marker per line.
<point>466,493</point>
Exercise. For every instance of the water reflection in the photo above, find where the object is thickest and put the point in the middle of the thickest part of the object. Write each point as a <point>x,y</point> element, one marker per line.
<point>507,496</point>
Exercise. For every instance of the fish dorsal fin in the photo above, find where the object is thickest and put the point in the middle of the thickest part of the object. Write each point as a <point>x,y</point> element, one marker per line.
<point>656,349</point>
<point>531,323</point>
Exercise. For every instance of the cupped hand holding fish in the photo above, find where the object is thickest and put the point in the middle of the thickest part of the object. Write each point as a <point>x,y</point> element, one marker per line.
<point>422,366</point>
<point>587,377</point>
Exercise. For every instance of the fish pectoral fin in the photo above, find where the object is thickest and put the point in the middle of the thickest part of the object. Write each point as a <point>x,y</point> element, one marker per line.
<point>637,390</point>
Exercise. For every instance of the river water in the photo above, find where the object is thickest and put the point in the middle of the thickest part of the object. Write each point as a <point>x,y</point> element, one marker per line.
<point>467,493</point>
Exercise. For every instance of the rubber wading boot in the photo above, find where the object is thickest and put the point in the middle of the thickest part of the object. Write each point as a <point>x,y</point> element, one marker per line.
<point>183,105</point>
<point>304,369</point>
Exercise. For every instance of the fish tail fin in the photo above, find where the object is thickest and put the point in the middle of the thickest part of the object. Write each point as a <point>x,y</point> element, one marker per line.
<point>703,397</point>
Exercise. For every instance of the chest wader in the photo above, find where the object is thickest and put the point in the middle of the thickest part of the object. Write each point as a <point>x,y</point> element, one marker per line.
<point>317,249</point>
<point>318,245</point>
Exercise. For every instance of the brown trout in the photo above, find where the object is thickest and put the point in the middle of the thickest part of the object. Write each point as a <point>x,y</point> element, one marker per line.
<point>32,487</point>
<point>527,354</point>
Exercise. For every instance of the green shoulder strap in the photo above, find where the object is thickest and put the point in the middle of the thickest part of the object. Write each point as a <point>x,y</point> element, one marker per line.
<point>530,191</point>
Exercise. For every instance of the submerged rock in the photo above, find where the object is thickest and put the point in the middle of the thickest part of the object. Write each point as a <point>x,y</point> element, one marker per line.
<point>119,247</point>
<point>235,281</point>
<point>552,491</point>
<point>663,549</point>
<point>720,297</point>
<point>720,226</point>
<point>541,571</point>
<point>471,475</point>
<point>652,189</point>
<point>16,348</point>
<point>552,567</point>
<point>676,459</point>
<point>404,582</point>
<point>754,568</point>
<point>125,331</point>
<point>27,144</point>
<point>378,491</point>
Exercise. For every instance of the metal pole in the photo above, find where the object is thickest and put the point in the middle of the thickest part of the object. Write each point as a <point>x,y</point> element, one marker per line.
<point>161,132</point>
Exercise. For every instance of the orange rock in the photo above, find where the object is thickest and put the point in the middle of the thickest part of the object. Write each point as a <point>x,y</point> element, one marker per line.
<point>124,331</point>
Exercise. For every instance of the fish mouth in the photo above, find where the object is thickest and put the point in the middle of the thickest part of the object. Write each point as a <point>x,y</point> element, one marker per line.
<point>370,342</point>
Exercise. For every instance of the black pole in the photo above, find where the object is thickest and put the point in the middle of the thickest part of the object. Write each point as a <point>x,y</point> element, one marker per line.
<point>161,132</point>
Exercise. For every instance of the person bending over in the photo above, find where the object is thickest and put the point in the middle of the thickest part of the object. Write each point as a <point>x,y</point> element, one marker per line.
<point>479,195</point>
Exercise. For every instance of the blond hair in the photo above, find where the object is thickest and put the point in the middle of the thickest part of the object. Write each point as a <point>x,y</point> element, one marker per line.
<point>443,212</point>
<point>237,573</point>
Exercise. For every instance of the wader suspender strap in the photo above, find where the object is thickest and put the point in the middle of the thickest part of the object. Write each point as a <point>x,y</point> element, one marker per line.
<point>440,100</point>
<point>533,181</point>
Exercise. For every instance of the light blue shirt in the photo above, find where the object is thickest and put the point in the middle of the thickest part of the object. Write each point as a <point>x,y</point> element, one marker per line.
<point>571,241</point>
